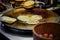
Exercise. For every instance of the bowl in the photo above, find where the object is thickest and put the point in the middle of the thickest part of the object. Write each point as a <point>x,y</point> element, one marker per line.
<point>42,31</point>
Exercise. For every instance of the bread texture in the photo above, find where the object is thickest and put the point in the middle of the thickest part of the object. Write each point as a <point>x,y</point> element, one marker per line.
<point>8,19</point>
<point>30,19</point>
<point>28,4</point>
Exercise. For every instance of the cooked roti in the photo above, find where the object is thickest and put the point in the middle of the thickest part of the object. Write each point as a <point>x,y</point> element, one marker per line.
<point>8,19</point>
<point>30,18</point>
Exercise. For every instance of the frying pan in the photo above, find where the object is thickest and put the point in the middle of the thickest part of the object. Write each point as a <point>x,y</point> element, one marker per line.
<point>28,31</point>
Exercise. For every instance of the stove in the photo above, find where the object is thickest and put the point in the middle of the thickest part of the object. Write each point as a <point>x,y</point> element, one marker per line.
<point>14,37</point>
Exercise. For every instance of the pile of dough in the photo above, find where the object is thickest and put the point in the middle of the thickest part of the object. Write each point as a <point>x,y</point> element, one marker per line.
<point>28,4</point>
<point>8,19</point>
<point>30,19</point>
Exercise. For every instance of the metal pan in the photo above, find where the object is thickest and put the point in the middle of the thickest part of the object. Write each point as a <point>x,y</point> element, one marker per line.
<point>28,31</point>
